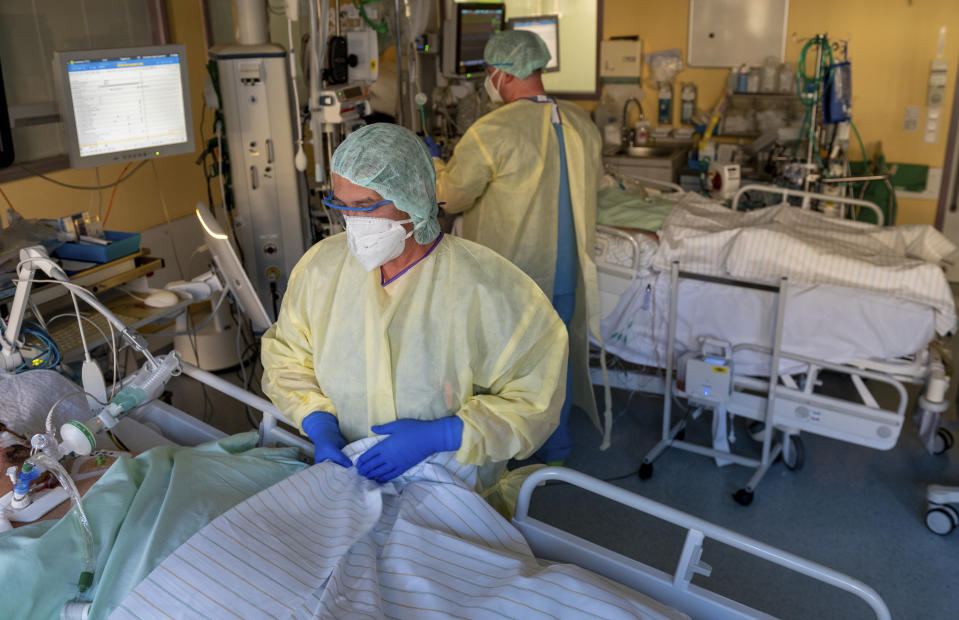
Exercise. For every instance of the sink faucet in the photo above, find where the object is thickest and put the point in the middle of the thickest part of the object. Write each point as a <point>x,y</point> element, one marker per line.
<point>628,132</point>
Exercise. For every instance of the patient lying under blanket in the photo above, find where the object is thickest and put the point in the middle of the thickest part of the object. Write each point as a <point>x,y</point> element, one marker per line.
<point>327,542</point>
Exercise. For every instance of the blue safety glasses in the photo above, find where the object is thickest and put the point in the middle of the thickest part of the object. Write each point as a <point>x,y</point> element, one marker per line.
<point>331,201</point>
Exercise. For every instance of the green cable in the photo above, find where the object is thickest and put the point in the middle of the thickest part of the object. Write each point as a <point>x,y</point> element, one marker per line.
<point>865,160</point>
<point>380,28</point>
<point>423,119</point>
<point>802,81</point>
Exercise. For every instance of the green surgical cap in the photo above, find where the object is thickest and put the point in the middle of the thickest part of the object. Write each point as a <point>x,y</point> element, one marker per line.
<point>392,161</point>
<point>517,52</point>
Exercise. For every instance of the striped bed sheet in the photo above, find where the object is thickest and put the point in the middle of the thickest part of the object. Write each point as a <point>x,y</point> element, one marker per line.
<point>903,262</point>
<point>327,543</point>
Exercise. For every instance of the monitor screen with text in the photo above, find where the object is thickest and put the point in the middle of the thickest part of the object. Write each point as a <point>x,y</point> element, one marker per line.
<point>127,103</point>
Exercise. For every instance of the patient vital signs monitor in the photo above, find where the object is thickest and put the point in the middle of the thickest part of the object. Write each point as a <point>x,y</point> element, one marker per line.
<point>124,104</point>
<point>547,27</point>
<point>466,36</point>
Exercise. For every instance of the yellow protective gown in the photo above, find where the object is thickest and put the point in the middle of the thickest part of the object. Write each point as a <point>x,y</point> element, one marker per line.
<point>504,178</point>
<point>462,332</point>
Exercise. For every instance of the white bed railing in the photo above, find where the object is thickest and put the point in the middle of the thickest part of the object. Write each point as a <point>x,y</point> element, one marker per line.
<point>640,183</point>
<point>270,432</point>
<point>676,590</point>
<point>632,271</point>
<point>553,544</point>
<point>808,197</point>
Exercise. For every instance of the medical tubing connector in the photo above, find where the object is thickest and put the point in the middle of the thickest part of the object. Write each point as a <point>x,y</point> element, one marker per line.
<point>28,473</point>
<point>88,564</point>
<point>80,438</point>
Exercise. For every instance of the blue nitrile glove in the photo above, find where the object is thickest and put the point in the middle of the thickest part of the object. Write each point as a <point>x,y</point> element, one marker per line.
<point>410,442</point>
<point>434,148</point>
<point>324,431</point>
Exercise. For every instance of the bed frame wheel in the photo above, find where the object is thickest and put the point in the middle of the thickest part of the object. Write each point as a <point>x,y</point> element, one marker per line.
<point>797,454</point>
<point>743,497</point>
<point>645,471</point>
<point>944,440</point>
<point>941,519</point>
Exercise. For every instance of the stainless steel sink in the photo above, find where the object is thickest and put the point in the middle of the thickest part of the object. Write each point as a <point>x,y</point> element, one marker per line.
<point>659,161</point>
<point>650,151</point>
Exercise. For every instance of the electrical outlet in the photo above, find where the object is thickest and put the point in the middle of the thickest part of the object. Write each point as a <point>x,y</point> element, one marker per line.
<point>911,120</point>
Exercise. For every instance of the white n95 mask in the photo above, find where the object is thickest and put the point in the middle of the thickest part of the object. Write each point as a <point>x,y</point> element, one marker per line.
<point>375,241</point>
<point>491,89</point>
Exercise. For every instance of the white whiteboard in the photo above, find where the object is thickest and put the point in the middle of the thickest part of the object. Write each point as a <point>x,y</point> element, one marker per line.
<point>729,33</point>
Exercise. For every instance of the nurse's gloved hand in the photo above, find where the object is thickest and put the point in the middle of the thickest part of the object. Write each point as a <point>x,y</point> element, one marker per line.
<point>410,442</point>
<point>324,431</point>
<point>434,148</point>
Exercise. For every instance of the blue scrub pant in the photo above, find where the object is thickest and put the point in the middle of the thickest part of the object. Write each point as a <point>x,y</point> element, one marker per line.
<point>559,444</point>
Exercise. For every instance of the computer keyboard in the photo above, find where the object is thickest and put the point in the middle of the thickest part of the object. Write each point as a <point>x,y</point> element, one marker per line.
<point>66,333</point>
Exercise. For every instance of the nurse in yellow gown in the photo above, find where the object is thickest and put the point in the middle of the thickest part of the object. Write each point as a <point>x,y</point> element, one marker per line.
<point>525,178</point>
<point>392,328</point>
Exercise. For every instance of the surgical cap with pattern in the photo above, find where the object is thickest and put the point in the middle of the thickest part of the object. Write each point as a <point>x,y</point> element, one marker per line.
<point>517,52</point>
<point>392,161</point>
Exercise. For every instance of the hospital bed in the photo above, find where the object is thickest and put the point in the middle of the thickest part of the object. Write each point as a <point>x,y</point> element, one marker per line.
<point>659,313</point>
<point>143,552</point>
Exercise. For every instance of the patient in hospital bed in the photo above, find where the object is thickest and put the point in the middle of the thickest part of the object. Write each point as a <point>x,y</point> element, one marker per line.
<point>227,529</point>
<point>28,397</point>
<point>141,510</point>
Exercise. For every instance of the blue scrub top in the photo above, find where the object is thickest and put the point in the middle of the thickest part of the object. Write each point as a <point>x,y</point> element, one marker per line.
<point>567,261</point>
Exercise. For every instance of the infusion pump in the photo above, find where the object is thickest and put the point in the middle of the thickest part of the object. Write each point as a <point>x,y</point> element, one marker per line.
<point>347,104</point>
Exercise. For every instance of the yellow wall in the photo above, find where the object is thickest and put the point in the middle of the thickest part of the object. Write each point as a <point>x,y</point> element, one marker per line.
<point>891,43</point>
<point>137,203</point>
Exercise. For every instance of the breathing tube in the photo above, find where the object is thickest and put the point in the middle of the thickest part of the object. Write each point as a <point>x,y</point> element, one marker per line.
<point>88,565</point>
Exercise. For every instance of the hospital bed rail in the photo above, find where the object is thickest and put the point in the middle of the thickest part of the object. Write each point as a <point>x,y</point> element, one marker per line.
<point>269,431</point>
<point>640,183</point>
<point>807,198</point>
<point>553,544</point>
<point>676,590</point>
<point>631,272</point>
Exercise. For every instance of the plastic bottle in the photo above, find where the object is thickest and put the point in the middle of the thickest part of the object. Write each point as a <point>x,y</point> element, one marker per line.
<point>753,79</point>
<point>612,135</point>
<point>642,132</point>
<point>688,107</point>
<point>742,79</point>
<point>731,81</point>
<point>605,117</point>
<point>768,78</point>
<point>787,78</point>
<point>666,104</point>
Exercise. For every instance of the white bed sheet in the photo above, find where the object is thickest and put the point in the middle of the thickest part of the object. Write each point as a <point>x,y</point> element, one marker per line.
<point>327,543</point>
<point>831,323</point>
<point>901,261</point>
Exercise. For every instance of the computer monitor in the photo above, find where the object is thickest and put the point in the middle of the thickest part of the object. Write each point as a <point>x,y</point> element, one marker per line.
<point>119,105</point>
<point>476,22</point>
<point>547,27</point>
<point>230,267</point>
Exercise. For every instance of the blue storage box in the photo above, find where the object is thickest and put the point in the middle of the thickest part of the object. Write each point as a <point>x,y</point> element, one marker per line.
<point>122,244</point>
